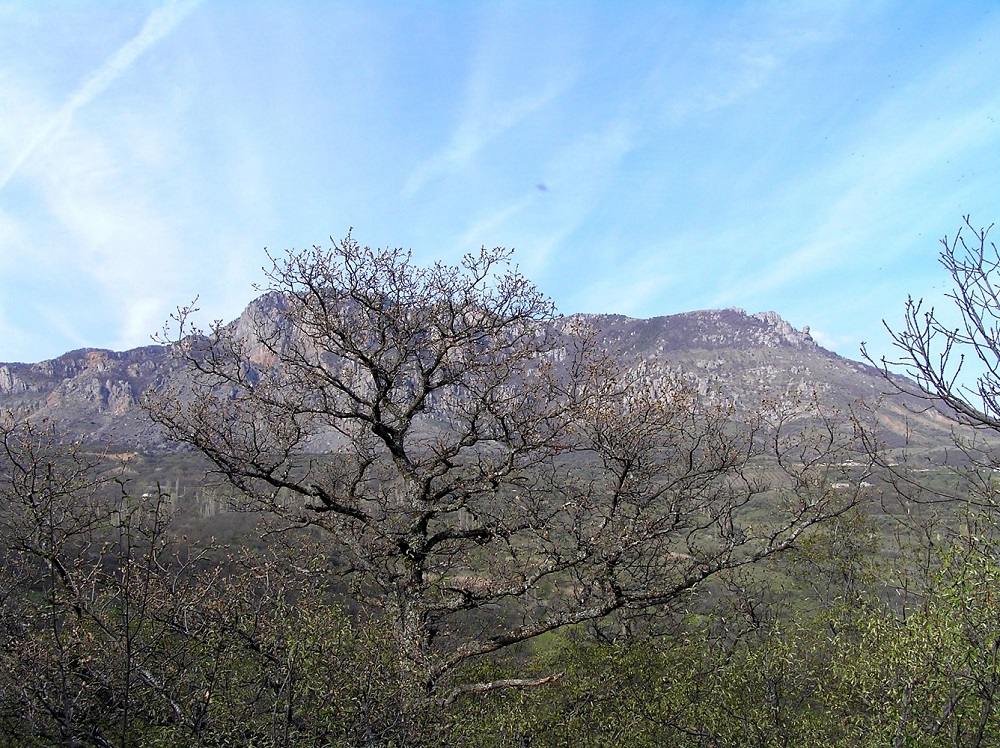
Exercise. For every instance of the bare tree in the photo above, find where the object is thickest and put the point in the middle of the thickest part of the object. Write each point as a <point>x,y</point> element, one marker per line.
<point>484,471</point>
<point>955,359</point>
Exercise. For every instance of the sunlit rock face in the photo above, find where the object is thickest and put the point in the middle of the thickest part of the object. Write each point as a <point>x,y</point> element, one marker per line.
<point>10,382</point>
<point>93,395</point>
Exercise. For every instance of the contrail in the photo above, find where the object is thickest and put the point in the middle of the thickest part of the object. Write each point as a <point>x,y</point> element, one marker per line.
<point>158,25</point>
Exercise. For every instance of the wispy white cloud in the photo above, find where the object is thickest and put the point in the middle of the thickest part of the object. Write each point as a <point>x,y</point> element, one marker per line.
<point>116,236</point>
<point>521,66</point>
<point>744,56</point>
<point>868,202</point>
<point>578,175</point>
<point>481,231</point>
<point>623,294</point>
<point>160,23</point>
<point>541,221</point>
<point>62,321</point>
<point>483,122</point>
<point>12,234</point>
<point>586,165</point>
<point>835,342</point>
<point>741,73</point>
<point>678,146</point>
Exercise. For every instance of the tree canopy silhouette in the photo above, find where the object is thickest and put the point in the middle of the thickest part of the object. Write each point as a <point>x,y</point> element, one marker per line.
<point>483,469</point>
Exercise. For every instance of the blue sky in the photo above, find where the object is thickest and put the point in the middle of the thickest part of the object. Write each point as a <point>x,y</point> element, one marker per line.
<point>643,158</point>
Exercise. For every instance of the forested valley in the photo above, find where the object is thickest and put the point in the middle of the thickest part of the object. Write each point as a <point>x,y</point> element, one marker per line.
<point>414,506</point>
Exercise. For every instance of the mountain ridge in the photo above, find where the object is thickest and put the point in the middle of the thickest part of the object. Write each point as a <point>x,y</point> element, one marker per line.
<point>94,394</point>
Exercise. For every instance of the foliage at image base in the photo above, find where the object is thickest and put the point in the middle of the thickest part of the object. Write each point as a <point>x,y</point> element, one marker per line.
<point>479,528</point>
<point>117,632</point>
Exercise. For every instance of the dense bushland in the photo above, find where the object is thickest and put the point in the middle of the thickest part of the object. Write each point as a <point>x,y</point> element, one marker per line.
<point>462,527</point>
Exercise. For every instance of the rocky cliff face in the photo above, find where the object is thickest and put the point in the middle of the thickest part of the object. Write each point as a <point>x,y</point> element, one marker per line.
<point>733,355</point>
<point>92,394</point>
<point>730,355</point>
<point>723,329</point>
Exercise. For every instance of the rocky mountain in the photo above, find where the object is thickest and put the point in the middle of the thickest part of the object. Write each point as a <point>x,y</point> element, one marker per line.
<point>744,359</point>
<point>92,394</point>
<point>729,355</point>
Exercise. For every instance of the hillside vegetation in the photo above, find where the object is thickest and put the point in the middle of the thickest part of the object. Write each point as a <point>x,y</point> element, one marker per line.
<point>397,505</point>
